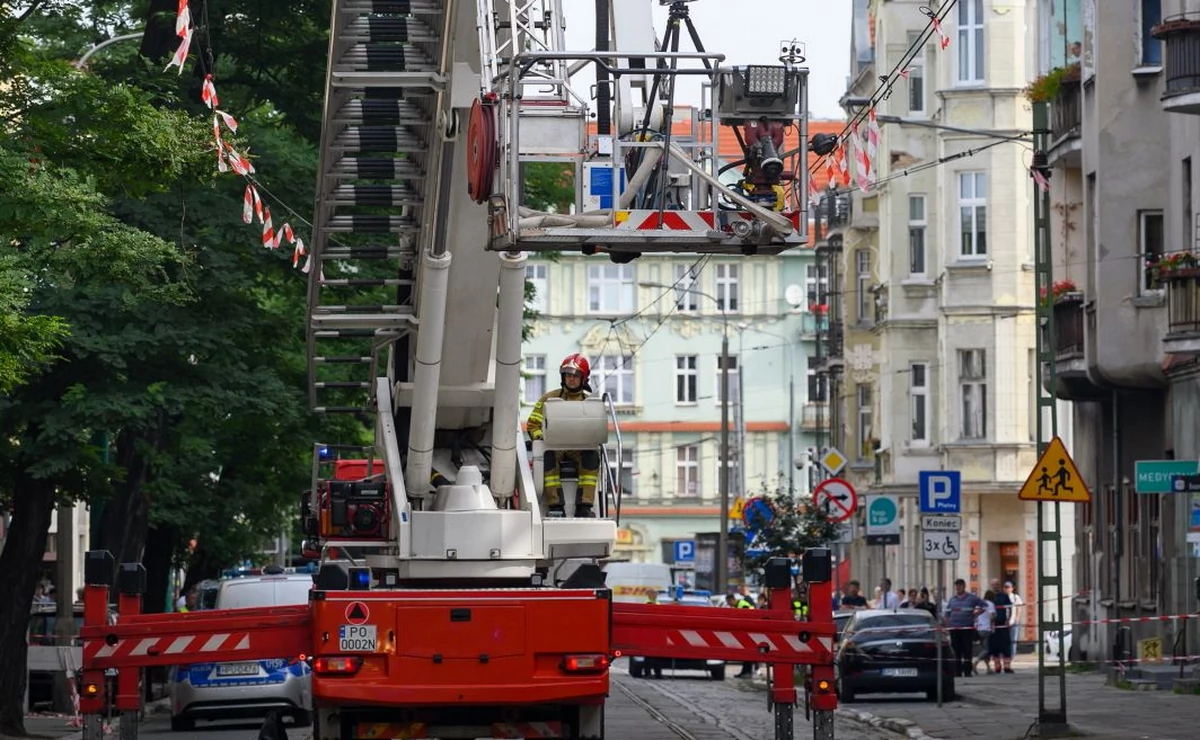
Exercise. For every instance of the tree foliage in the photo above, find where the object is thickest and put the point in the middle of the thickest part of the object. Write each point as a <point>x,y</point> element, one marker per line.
<point>795,526</point>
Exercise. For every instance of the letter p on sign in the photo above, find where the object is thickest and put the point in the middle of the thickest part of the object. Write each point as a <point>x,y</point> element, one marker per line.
<point>941,491</point>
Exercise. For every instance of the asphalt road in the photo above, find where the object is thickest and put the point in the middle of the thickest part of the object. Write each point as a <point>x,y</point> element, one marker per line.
<point>681,706</point>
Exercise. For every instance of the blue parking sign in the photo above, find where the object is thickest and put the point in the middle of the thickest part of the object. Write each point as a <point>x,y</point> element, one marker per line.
<point>940,491</point>
<point>685,551</point>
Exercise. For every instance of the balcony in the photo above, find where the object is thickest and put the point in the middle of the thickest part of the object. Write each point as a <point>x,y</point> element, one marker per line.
<point>1183,310</point>
<point>1066,117</point>
<point>814,322</point>
<point>1181,64</point>
<point>1070,362</point>
<point>815,417</point>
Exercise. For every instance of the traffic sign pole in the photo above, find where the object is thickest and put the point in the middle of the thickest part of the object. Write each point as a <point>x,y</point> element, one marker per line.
<point>1050,719</point>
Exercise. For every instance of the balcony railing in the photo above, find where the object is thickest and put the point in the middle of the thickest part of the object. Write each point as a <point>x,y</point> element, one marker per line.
<point>1068,326</point>
<point>811,323</point>
<point>1181,39</point>
<point>816,416</point>
<point>1066,112</point>
<point>1183,300</point>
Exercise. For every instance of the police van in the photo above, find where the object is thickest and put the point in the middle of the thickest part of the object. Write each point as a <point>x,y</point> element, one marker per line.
<point>250,688</point>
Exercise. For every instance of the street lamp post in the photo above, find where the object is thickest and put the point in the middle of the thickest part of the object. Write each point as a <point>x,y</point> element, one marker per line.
<point>722,574</point>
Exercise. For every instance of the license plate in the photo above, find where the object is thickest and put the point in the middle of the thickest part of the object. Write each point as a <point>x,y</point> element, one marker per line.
<point>900,672</point>
<point>237,669</point>
<point>357,638</point>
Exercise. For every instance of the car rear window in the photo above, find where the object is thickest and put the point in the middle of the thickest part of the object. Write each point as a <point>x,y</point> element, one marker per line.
<point>248,594</point>
<point>893,625</point>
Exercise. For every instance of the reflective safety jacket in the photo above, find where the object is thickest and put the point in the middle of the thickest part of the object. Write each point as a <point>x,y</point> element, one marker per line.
<point>744,604</point>
<point>534,424</point>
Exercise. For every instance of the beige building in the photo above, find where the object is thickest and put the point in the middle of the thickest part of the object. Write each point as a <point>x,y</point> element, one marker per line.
<point>941,280</point>
<point>1124,136</point>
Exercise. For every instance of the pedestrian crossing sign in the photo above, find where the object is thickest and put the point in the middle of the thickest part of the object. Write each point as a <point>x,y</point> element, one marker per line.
<point>1055,478</point>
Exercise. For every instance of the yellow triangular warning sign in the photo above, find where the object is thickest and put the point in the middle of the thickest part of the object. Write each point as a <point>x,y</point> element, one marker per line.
<point>1055,478</point>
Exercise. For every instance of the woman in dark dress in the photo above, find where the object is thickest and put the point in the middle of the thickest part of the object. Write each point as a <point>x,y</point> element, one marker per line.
<point>1000,641</point>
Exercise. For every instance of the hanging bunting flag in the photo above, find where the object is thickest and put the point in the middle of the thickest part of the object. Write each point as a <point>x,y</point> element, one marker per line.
<point>208,93</point>
<point>181,53</point>
<point>873,137</point>
<point>183,19</point>
<point>297,253</point>
<point>230,121</point>
<point>248,205</point>
<point>937,28</point>
<point>862,165</point>
<point>1040,179</point>
<point>268,234</point>
<point>285,232</point>
<point>904,73</point>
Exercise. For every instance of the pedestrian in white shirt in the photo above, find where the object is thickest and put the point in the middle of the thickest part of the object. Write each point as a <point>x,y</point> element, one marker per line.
<point>888,599</point>
<point>1017,622</point>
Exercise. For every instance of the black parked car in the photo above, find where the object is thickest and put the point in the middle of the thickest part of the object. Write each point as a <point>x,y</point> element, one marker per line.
<point>885,651</point>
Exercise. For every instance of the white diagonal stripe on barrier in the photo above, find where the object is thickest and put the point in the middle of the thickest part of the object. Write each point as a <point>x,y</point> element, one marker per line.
<point>693,638</point>
<point>178,645</point>
<point>244,643</point>
<point>728,640</point>
<point>795,643</point>
<point>106,650</point>
<point>759,637</point>
<point>144,646</point>
<point>214,642</point>
<point>826,642</point>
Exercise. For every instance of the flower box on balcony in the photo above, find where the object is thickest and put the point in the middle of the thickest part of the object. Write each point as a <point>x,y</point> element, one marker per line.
<point>1180,273</point>
<point>1070,296</point>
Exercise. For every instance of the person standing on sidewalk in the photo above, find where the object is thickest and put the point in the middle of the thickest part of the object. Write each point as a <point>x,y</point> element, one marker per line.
<point>1017,621</point>
<point>961,610</point>
<point>1000,643</point>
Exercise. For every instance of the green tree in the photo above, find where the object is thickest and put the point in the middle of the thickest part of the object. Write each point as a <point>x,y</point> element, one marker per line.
<point>795,526</point>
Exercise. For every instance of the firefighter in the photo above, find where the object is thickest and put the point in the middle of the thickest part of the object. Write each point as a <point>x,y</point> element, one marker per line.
<point>574,373</point>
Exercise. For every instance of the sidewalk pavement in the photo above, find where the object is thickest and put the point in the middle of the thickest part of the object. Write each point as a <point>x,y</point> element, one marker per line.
<point>1004,707</point>
<point>59,726</point>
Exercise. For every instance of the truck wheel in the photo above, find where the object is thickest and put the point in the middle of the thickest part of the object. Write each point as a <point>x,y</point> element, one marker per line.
<point>636,670</point>
<point>717,672</point>
<point>182,724</point>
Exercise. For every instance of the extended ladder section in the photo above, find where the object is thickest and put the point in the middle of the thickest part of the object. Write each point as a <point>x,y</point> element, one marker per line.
<point>379,164</point>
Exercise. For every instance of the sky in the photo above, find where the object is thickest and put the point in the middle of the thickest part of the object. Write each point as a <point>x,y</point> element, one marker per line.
<point>749,32</point>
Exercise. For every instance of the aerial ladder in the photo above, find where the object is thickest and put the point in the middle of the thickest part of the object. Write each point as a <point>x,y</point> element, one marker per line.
<point>447,603</point>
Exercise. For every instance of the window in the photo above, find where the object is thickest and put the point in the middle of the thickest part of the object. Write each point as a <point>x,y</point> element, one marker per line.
<point>685,280</point>
<point>537,275</point>
<point>616,378</point>
<point>816,284</point>
<point>727,287</point>
<point>918,384</point>
<point>865,438</point>
<point>624,476</point>
<point>818,383</point>
<point>916,76</point>
<point>866,299</point>
<point>1150,247</point>
<point>972,378</point>
<point>972,210</point>
<point>733,379</point>
<point>1149,48</point>
<point>916,235</point>
<point>685,379</point>
<point>533,378</point>
<point>610,289</point>
<point>970,41</point>
<point>687,471</point>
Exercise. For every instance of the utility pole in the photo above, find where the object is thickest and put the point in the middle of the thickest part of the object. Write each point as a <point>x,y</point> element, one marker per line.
<point>64,596</point>
<point>1051,720</point>
<point>723,512</point>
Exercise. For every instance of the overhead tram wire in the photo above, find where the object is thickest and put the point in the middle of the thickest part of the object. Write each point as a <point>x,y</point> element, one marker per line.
<point>889,80</point>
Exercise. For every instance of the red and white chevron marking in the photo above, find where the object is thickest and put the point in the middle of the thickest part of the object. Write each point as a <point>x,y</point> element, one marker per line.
<point>777,644</point>
<point>189,645</point>
<point>527,729</point>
